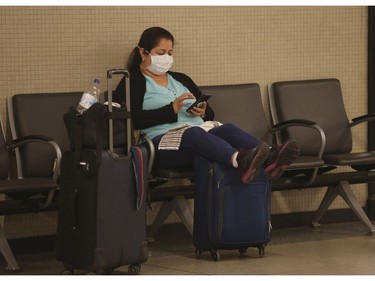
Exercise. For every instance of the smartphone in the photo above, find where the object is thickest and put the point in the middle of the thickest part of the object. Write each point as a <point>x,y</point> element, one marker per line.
<point>198,102</point>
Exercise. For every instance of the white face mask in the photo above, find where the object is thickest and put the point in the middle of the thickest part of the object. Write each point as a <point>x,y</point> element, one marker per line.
<point>160,64</point>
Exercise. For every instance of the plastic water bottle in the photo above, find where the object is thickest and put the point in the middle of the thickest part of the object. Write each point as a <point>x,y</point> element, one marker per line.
<point>89,97</point>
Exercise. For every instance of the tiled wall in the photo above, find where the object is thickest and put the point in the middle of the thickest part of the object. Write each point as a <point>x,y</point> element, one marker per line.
<point>56,49</point>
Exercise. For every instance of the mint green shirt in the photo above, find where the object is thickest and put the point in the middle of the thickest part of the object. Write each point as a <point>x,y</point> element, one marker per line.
<point>157,96</point>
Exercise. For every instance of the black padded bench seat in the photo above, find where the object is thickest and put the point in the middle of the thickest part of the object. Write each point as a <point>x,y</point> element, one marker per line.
<point>248,101</point>
<point>167,193</point>
<point>324,180</point>
<point>19,206</point>
<point>163,193</point>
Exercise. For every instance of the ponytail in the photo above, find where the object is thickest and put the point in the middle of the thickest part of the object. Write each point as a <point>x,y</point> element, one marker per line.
<point>150,38</point>
<point>134,60</point>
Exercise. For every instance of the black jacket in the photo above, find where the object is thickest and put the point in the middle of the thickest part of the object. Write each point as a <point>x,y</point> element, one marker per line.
<point>147,118</point>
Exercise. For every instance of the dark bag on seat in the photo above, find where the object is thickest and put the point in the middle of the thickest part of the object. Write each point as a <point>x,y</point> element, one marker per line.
<point>91,129</point>
<point>102,210</point>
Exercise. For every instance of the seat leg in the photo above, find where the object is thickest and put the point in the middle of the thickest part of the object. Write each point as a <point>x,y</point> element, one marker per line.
<point>164,212</point>
<point>327,200</point>
<point>7,252</point>
<point>180,206</point>
<point>347,194</point>
<point>344,190</point>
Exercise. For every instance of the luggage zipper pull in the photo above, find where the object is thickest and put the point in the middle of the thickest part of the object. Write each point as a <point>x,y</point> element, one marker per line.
<point>85,165</point>
<point>220,179</point>
<point>269,226</point>
<point>74,214</point>
<point>217,179</point>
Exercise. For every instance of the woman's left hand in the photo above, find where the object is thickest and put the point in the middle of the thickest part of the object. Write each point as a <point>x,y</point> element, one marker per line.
<point>199,111</point>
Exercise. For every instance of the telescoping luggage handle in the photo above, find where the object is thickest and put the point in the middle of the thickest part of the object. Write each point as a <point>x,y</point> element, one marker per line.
<point>126,73</point>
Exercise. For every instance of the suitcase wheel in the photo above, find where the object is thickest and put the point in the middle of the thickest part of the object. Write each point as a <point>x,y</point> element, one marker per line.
<point>242,251</point>
<point>101,271</point>
<point>68,270</point>
<point>215,255</point>
<point>134,269</point>
<point>198,253</point>
<point>109,270</point>
<point>261,251</point>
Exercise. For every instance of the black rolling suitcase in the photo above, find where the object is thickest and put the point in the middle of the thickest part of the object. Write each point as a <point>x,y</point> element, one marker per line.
<point>227,213</point>
<point>102,215</point>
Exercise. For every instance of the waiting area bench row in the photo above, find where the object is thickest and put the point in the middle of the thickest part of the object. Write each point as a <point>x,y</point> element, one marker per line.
<point>312,112</point>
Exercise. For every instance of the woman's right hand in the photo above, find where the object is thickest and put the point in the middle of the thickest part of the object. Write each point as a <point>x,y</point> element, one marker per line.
<point>179,102</point>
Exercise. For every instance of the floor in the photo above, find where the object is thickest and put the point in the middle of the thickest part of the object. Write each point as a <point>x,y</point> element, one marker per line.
<point>334,249</point>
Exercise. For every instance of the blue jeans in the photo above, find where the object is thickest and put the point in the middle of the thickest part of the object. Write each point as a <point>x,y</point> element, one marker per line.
<point>218,145</point>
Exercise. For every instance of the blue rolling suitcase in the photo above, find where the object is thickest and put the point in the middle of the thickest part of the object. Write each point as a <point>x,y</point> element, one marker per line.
<point>227,213</point>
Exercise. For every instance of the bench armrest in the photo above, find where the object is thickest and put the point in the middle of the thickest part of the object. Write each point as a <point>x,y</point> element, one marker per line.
<point>303,123</point>
<point>151,147</point>
<point>43,139</point>
<point>363,118</point>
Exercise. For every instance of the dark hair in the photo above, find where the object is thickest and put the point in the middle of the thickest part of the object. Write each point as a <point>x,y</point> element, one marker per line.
<point>150,38</point>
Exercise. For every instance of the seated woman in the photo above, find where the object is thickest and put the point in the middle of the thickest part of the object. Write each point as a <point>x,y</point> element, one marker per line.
<point>159,99</point>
